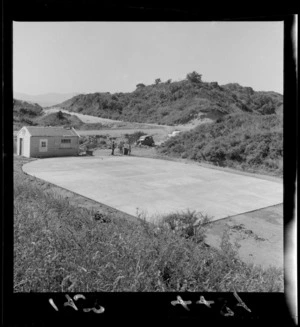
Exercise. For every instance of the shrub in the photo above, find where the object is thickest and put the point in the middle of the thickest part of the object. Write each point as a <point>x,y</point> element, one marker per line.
<point>184,155</point>
<point>237,140</point>
<point>194,77</point>
<point>132,138</point>
<point>178,148</point>
<point>60,115</point>
<point>189,224</point>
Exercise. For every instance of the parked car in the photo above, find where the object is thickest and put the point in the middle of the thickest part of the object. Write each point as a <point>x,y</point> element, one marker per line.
<point>174,133</point>
<point>145,140</point>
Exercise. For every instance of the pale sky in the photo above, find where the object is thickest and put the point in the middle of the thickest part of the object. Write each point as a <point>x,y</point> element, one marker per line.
<point>88,57</point>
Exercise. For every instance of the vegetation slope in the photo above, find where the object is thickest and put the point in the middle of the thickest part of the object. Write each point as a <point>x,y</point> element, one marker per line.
<point>246,132</point>
<point>59,247</point>
<point>31,114</point>
<point>246,141</point>
<point>59,119</point>
<point>24,113</point>
<point>174,103</point>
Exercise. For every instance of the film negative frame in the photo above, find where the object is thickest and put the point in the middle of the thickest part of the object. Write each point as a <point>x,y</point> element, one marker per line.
<point>234,308</point>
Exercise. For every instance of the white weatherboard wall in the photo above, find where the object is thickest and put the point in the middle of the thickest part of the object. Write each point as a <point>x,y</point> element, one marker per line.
<point>56,145</point>
<point>54,148</point>
<point>25,136</point>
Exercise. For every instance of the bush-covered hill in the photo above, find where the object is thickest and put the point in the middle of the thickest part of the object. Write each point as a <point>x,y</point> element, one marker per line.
<point>59,119</point>
<point>249,142</point>
<point>29,114</point>
<point>176,103</point>
<point>24,113</point>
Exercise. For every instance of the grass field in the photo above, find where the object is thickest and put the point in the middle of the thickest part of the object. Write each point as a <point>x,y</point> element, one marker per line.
<point>60,247</point>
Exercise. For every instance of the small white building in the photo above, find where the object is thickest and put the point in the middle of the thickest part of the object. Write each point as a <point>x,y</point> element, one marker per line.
<point>42,142</point>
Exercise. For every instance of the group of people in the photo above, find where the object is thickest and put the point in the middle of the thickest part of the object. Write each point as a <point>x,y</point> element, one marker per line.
<point>124,148</point>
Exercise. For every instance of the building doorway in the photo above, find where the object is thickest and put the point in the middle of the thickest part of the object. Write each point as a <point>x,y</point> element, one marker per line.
<point>21,147</point>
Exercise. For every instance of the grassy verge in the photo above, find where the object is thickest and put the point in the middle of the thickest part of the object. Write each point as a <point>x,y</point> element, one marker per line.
<point>59,247</point>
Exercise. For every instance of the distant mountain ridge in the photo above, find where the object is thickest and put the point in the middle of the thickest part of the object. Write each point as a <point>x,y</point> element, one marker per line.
<point>44,100</point>
<point>174,103</point>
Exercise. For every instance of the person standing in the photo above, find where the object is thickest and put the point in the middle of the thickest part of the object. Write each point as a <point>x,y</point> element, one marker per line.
<point>121,147</point>
<point>113,146</point>
<point>126,148</point>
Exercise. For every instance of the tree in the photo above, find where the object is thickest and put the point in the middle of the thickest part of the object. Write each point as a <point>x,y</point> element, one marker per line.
<point>157,81</point>
<point>194,77</point>
<point>169,81</point>
<point>60,115</point>
<point>140,85</point>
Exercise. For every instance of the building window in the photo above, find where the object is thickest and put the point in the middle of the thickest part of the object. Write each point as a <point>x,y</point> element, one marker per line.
<point>43,145</point>
<point>65,143</point>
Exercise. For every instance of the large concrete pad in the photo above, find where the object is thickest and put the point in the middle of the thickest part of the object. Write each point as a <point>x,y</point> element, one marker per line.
<point>153,186</point>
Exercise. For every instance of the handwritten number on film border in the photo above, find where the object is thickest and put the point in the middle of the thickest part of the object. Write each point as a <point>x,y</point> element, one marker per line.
<point>71,303</point>
<point>178,300</point>
<point>202,300</point>
<point>181,302</point>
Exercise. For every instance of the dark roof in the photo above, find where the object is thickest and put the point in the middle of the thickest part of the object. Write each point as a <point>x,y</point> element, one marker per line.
<point>50,131</point>
<point>144,136</point>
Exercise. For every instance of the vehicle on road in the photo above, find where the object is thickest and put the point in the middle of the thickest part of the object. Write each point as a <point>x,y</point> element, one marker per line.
<point>145,140</point>
<point>174,133</point>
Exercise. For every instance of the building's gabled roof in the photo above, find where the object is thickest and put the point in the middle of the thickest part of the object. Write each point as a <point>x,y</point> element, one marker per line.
<point>50,131</point>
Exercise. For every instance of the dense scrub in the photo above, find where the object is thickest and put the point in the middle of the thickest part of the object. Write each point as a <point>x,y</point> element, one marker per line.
<point>59,119</point>
<point>173,103</point>
<point>169,103</point>
<point>24,113</point>
<point>62,248</point>
<point>94,142</point>
<point>132,138</point>
<point>30,114</point>
<point>249,142</point>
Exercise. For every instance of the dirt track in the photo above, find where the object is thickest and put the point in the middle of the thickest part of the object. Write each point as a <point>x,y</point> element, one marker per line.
<point>105,121</point>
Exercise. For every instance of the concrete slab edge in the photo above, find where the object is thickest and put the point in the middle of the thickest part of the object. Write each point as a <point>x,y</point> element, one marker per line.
<point>242,213</point>
<point>126,215</point>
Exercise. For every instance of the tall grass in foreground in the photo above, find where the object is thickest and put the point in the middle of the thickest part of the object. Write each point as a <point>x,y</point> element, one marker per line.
<point>59,247</point>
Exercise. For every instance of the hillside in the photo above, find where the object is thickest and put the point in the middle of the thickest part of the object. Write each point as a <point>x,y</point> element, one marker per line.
<point>243,141</point>
<point>31,114</point>
<point>59,119</point>
<point>25,113</point>
<point>176,103</point>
